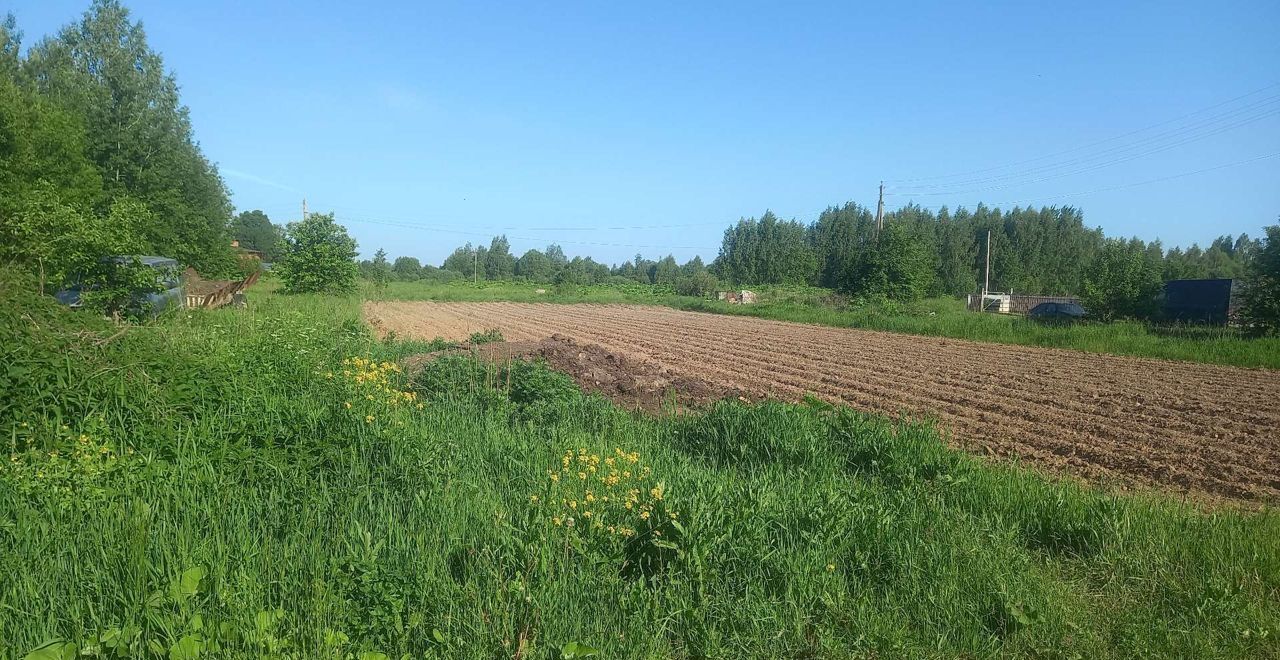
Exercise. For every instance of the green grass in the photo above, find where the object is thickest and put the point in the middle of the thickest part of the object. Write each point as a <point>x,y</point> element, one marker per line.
<point>935,317</point>
<point>242,504</point>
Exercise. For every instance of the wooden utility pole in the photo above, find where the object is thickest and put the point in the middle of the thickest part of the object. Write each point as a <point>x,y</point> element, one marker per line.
<point>880,212</point>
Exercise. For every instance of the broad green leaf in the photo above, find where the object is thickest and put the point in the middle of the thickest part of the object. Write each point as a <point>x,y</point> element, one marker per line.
<point>58,649</point>
<point>187,648</point>
<point>189,583</point>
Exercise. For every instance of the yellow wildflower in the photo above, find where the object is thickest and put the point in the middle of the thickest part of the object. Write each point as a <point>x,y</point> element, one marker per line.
<point>831,567</point>
<point>347,404</point>
<point>555,477</point>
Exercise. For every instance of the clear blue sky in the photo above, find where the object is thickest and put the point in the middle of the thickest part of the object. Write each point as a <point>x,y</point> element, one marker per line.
<point>471,116</point>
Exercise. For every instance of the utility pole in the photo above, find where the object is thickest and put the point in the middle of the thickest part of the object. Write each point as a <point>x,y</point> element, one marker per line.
<point>880,212</point>
<point>304,208</point>
<point>475,265</point>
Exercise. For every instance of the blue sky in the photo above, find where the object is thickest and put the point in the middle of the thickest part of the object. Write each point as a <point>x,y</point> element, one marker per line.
<point>610,126</point>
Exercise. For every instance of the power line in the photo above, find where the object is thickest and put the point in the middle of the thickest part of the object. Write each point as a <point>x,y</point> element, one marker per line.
<point>1099,165</point>
<point>1012,179</point>
<point>1091,144</point>
<point>1129,185</point>
<point>1183,135</point>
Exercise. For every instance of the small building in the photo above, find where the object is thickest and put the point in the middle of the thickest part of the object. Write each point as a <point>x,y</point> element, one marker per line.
<point>1200,301</point>
<point>248,252</point>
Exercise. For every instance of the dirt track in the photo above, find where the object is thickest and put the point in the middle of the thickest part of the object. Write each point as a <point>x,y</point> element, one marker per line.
<point>1131,421</point>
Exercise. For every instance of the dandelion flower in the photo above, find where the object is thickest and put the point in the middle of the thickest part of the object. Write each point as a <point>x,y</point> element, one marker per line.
<point>533,499</point>
<point>831,567</point>
<point>557,520</point>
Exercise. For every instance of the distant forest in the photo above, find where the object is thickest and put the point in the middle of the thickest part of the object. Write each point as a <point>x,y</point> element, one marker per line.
<point>919,253</point>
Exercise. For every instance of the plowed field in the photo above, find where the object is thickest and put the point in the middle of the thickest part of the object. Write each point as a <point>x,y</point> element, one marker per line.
<point>1125,421</point>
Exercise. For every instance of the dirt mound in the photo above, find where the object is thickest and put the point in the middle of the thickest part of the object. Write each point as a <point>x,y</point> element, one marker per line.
<point>1197,428</point>
<point>629,382</point>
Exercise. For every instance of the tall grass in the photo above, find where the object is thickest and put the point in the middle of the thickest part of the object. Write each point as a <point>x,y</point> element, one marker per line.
<point>230,482</point>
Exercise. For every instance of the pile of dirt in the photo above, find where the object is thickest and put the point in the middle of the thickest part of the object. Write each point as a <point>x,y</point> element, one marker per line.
<point>631,383</point>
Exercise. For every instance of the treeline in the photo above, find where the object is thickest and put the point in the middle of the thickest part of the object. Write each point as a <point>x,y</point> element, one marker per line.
<point>97,155</point>
<point>1041,251</point>
<point>496,262</point>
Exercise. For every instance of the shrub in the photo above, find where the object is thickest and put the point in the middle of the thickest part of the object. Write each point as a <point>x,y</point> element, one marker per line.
<point>700,284</point>
<point>320,258</point>
<point>1261,308</point>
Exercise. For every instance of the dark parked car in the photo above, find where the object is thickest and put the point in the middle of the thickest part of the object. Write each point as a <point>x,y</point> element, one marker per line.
<point>166,295</point>
<point>1057,312</point>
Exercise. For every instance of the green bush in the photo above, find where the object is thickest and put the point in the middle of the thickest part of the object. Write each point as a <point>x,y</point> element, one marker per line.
<point>320,257</point>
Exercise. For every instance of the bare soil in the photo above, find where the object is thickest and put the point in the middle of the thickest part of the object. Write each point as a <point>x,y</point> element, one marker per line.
<point>629,382</point>
<point>1194,428</point>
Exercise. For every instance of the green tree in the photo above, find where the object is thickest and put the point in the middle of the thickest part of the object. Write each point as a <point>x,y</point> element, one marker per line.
<point>1123,281</point>
<point>139,134</point>
<point>1260,309</point>
<point>956,254</point>
<point>897,266</point>
<point>65,244</point>
<point>665,271</point>
<point>379,269</point>
<point>766,251</point>
<point>255,231</point>
<point>535,267</point>
<point>407,269</point>
<point>320,256</point>
<point>498,263</point>
<point>464,261</point>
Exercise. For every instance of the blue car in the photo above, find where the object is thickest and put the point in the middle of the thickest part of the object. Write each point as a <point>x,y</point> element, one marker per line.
<point>168,294</point>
